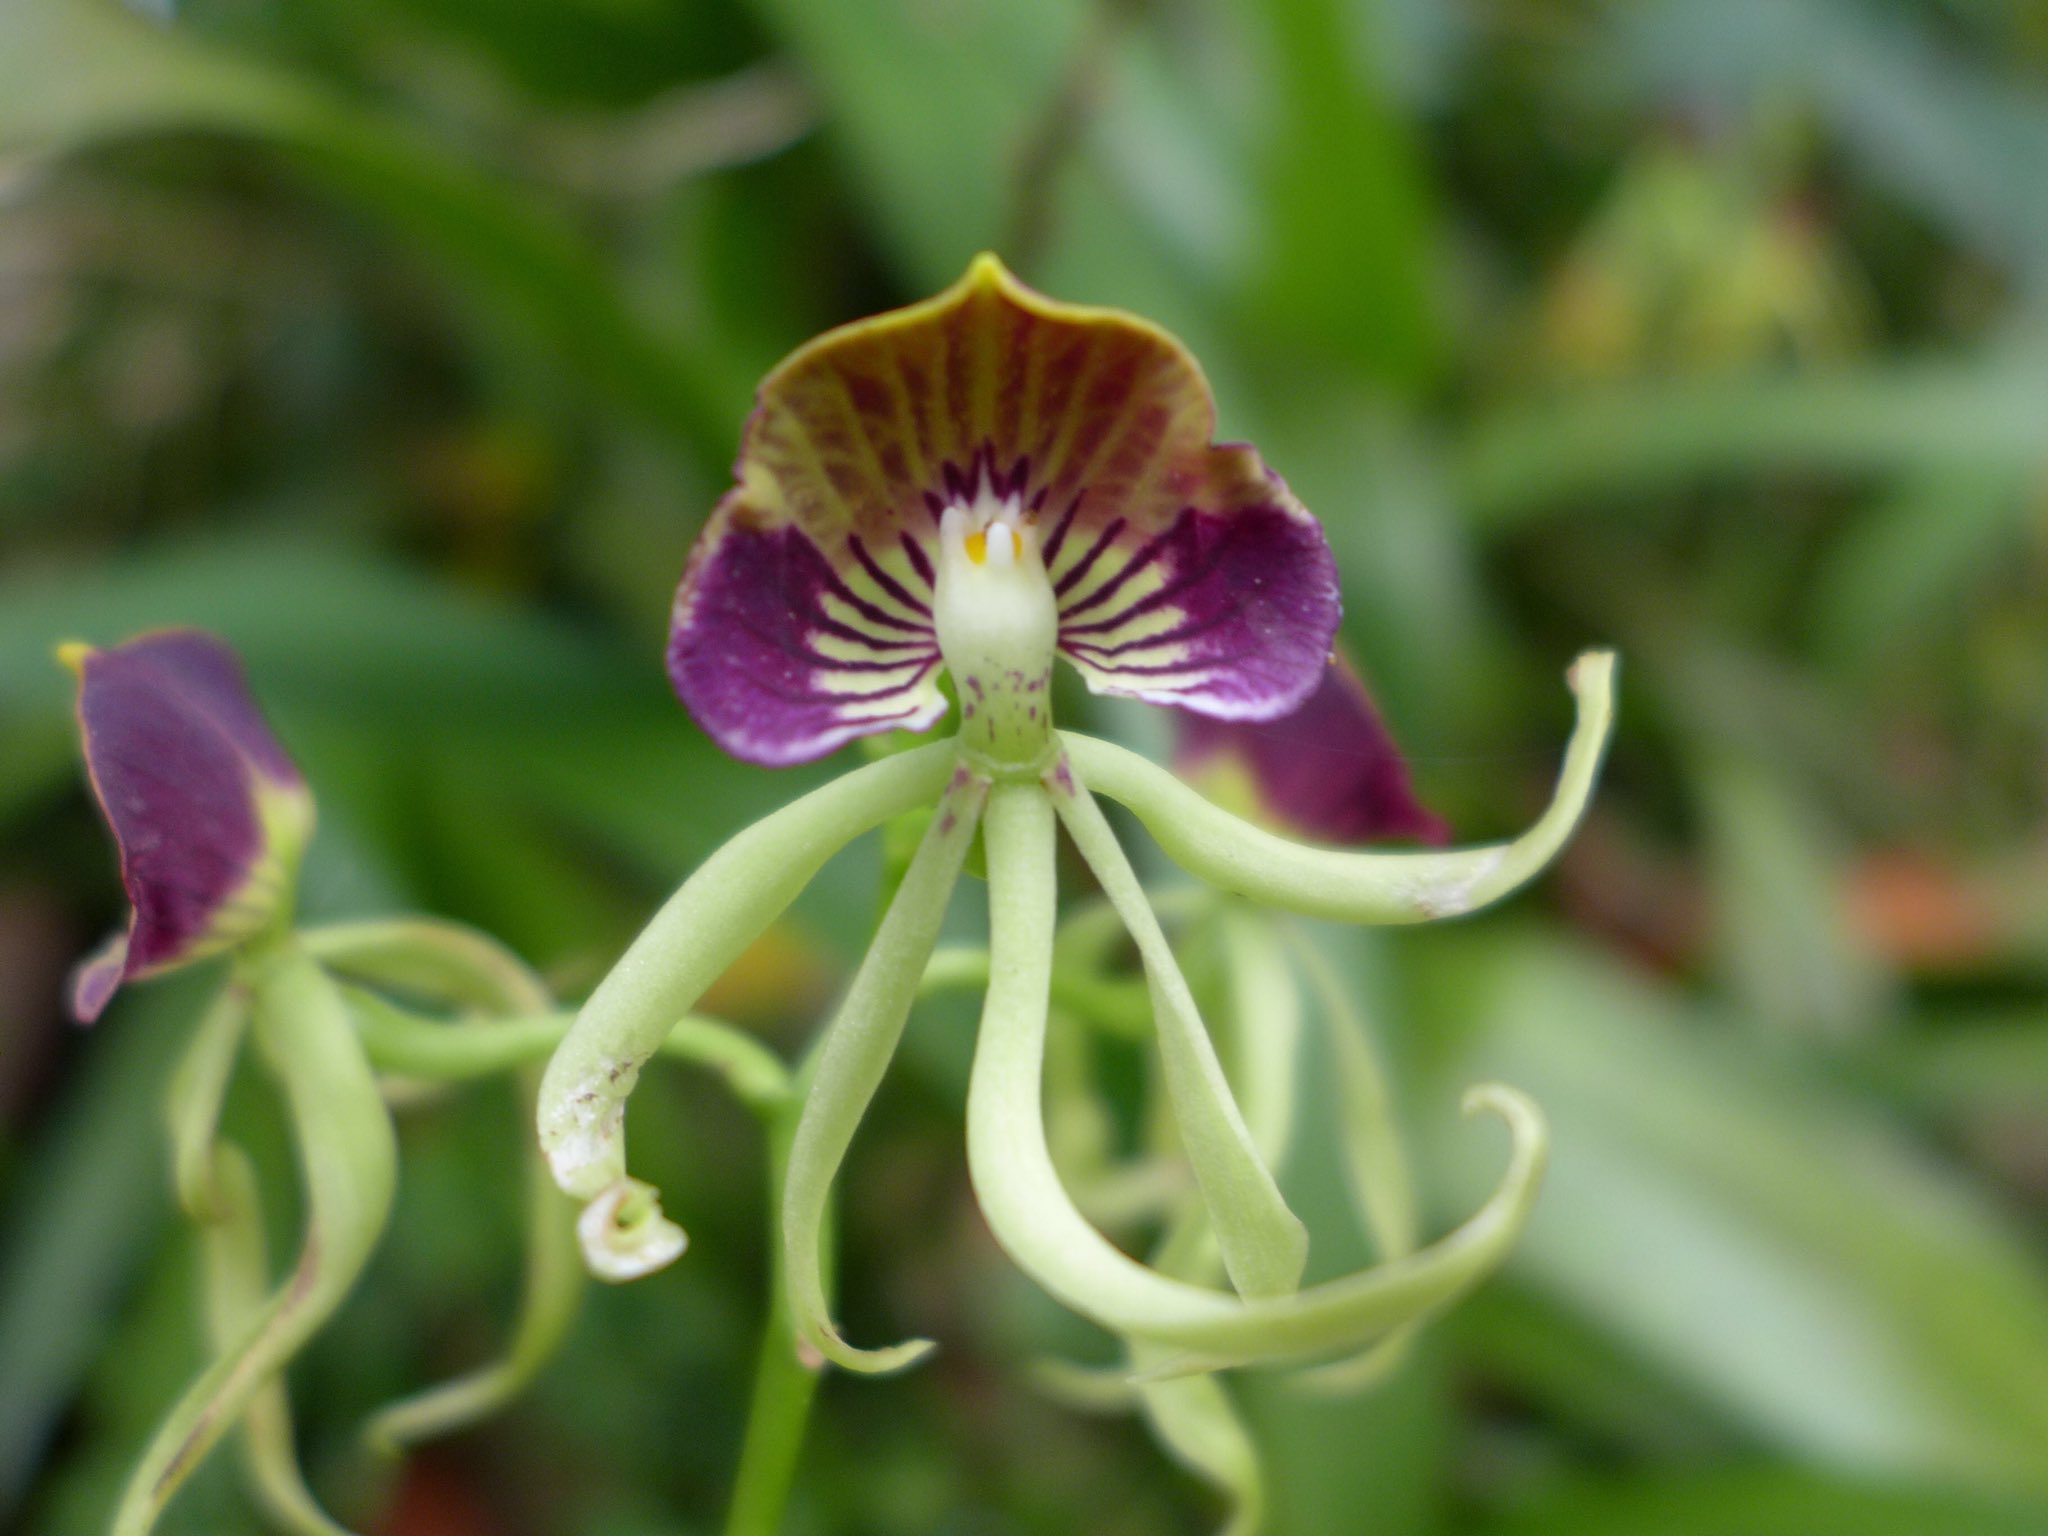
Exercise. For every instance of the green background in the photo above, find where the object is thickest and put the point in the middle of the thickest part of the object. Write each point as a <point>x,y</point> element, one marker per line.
<point>406,342</point>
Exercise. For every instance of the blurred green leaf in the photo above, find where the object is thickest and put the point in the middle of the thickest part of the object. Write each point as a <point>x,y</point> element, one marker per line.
<point>85,1208</point>
<point>930,105</point>
<point>1607,447</point>
<point>1913,559</point>
<point>1347,260</point>
<point>1765,1501</point>
<point>323,629</point>
<point>1781,918</point>
<point>80,72</point>
<point>1763,1238</point>
<point>1954,139</point>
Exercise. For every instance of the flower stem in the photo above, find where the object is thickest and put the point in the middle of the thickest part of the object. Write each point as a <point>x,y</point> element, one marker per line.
<point>414,1045</point>
<point>198,1084</point>
<point>784,1386</point>
<point>236,1272</point>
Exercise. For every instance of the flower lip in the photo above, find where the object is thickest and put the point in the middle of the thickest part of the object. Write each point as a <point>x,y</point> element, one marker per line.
<point>209,814</point>
<point>1329,770</point>
<point>1183,572</point>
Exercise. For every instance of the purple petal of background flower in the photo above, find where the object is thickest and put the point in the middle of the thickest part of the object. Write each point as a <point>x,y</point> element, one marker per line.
<point>174,745</point>
<point>1330,770</point>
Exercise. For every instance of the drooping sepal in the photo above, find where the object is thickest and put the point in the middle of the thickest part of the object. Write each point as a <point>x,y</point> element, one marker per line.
<point>209,814</point>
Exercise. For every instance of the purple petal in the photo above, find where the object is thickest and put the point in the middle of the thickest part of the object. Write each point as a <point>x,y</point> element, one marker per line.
<point>1228,611</point>
<point>1328,771</point>
<point>781,659</point>
<point>183,767</point>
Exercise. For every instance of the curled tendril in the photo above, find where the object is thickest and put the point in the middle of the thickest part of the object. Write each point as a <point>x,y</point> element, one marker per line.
<point>458,967</point>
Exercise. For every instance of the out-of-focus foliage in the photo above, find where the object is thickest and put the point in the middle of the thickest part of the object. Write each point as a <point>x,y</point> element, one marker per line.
<point>406,343</point>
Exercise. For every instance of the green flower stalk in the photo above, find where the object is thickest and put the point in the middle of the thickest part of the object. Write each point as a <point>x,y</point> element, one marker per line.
<point>976,486</point>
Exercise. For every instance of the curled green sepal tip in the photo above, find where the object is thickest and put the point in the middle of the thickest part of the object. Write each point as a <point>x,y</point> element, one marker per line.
<point>731,899</point>
<point>624,1234</point>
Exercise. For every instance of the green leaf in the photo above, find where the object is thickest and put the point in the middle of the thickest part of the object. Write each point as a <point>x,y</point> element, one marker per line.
<point>1774,866</point>
<point>1618,448</point>
<point>1917,557</point>
<point>1754,1232</point>
<point>79,72</point>
<point>930,106</point>
<point>85,1206</point>
<point>1346,260</point>
<point>1766,1501</point>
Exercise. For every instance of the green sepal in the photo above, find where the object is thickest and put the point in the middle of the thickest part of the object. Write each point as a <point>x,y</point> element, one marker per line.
<point>698,933</point>
<point>1344,884</point>
<point>348,1158</point>
<point>847,1066</point>
<point>1033,1218</point>
<point>1264,1244</point>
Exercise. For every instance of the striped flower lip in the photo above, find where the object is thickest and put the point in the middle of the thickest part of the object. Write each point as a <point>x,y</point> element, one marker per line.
<point>1329,770</point>
<point>209,814</point>
<point>1182,571</point>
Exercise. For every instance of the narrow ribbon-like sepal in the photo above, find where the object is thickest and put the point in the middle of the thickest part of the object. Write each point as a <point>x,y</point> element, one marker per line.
<point>237,1275</point>
<point>1264,1244</point>
<point>1375,1162</point>
<point>348,1158</point>
<point>734,895</point>
<point>848,1067</point>
<point>1345,884</point>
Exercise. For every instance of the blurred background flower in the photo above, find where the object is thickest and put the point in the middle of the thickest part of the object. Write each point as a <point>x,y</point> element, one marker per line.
<point>406,345</point>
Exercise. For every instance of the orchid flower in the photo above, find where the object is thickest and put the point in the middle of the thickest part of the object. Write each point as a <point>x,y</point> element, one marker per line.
<point>970,488</point>
<point>211,819</point>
